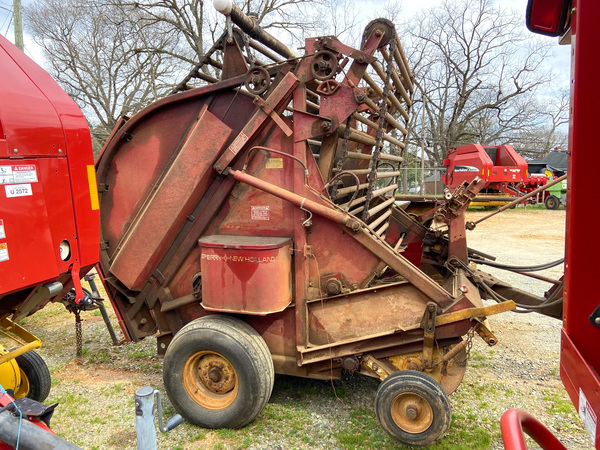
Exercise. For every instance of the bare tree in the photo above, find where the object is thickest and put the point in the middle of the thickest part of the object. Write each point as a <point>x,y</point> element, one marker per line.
<point>92,50</point>
<point>477,75</point>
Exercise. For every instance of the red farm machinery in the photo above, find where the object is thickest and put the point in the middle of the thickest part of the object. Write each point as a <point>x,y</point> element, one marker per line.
<point>250,225</point>
<point>49,225</point>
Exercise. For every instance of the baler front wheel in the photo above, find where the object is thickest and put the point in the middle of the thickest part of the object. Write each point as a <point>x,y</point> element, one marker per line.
<point>35,377</point>
<point>218,372</point>
<point>413,408</point>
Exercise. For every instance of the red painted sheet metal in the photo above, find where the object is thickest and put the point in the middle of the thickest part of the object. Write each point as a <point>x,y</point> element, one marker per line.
<point>48,188</point>
<point>580,358</point>
<point>176,195</point>
<point>246,274</point>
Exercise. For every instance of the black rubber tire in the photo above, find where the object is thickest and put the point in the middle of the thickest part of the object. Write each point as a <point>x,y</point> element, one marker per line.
<point>243,348</point>
<point>35,369</point>
<point>552,202</point>
<point>413,383</point>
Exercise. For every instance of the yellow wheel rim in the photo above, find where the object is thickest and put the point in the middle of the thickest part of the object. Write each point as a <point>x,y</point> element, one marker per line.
<point>23,389</point>
<point>412,413</point>
<point>210,379</point>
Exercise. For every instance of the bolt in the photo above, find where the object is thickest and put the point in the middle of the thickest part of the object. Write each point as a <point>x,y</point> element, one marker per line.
<point>16,151</point>
<point>411,412</point>
<point>360,98</point>
<point>325,126</point>
<point>378,33</point>
<point>597,320</point>
<point>360,59</point>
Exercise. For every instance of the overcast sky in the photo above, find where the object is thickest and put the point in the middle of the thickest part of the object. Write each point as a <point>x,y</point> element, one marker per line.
<point>561,60</point>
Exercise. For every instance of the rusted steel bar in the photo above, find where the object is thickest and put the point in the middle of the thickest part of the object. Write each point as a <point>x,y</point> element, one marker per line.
<point>362,119</point>
<point>375,87</point>
<point>388,117</point>
<point>265,51</point>
<point>402,62</point>
<point>380,207</point>
<point>251,27</point>
<point>384,190</point>
<point>356,155</point>
<point>355,202</point>
<point>471,225</point>
<point>359,171</point>
<point>383,229</point>
<point>381,219</point>
<point>357,136</point>
<point>387,157</point>
<point>396,78</point>
<point>355,211</point>
<point>386,137</point>
<point>215,63</point>
<point>313,142</point>
<point>387,174</point>
<point>348,190</point>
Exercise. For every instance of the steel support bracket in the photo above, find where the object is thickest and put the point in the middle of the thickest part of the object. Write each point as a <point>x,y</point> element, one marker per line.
<point>376,367</point>
<point>486,334</point>
<point>24,338</point>
<point>428,325</point>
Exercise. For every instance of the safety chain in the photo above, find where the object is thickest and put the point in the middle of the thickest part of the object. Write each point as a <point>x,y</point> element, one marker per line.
<point>470,336</point>
<point>78,334</point>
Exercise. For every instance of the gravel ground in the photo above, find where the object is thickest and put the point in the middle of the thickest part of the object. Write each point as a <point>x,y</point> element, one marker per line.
<point>96,395</point>
<point>527,354</point>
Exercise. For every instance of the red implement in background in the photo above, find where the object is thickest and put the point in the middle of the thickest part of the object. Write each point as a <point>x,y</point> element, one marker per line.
<point>500,167</point>
<point>49,210</point>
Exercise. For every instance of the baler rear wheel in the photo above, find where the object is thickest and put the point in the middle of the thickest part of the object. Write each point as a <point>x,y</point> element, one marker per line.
<point>552,202</point>
<point>413,408</point>
<point>218,372</point>
<point>35,377</point>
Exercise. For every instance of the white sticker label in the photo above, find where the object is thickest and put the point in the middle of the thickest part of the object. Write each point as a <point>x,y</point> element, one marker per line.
<point>260,213</point>
<point>18,190</point>
<point>3,252</point>
<point>18,174</point>
<point>588,416</point>
<point>2,233</point>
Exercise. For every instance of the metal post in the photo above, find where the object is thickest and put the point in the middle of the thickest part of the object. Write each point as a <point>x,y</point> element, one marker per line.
<point>423,150</point>
<point>144,418</point>
<point>18,23</point>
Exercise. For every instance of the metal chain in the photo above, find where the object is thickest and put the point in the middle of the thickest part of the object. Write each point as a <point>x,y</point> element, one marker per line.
<point>470,336</point>
<point>78,335</point>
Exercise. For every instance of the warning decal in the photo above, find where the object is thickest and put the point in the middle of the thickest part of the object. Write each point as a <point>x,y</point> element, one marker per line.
<point>238,143</point>
<point>260,213</point>
<point>3,252</point>
<point>18,174</point>
<point>2,232</point>
<point>588,416</point>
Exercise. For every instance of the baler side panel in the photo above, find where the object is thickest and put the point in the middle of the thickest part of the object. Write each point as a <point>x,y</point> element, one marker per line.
<point>176,195</point>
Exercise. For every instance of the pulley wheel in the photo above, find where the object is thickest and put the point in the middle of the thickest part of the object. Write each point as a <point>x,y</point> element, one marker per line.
<point>257,80</point>
<point>324,65</point>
